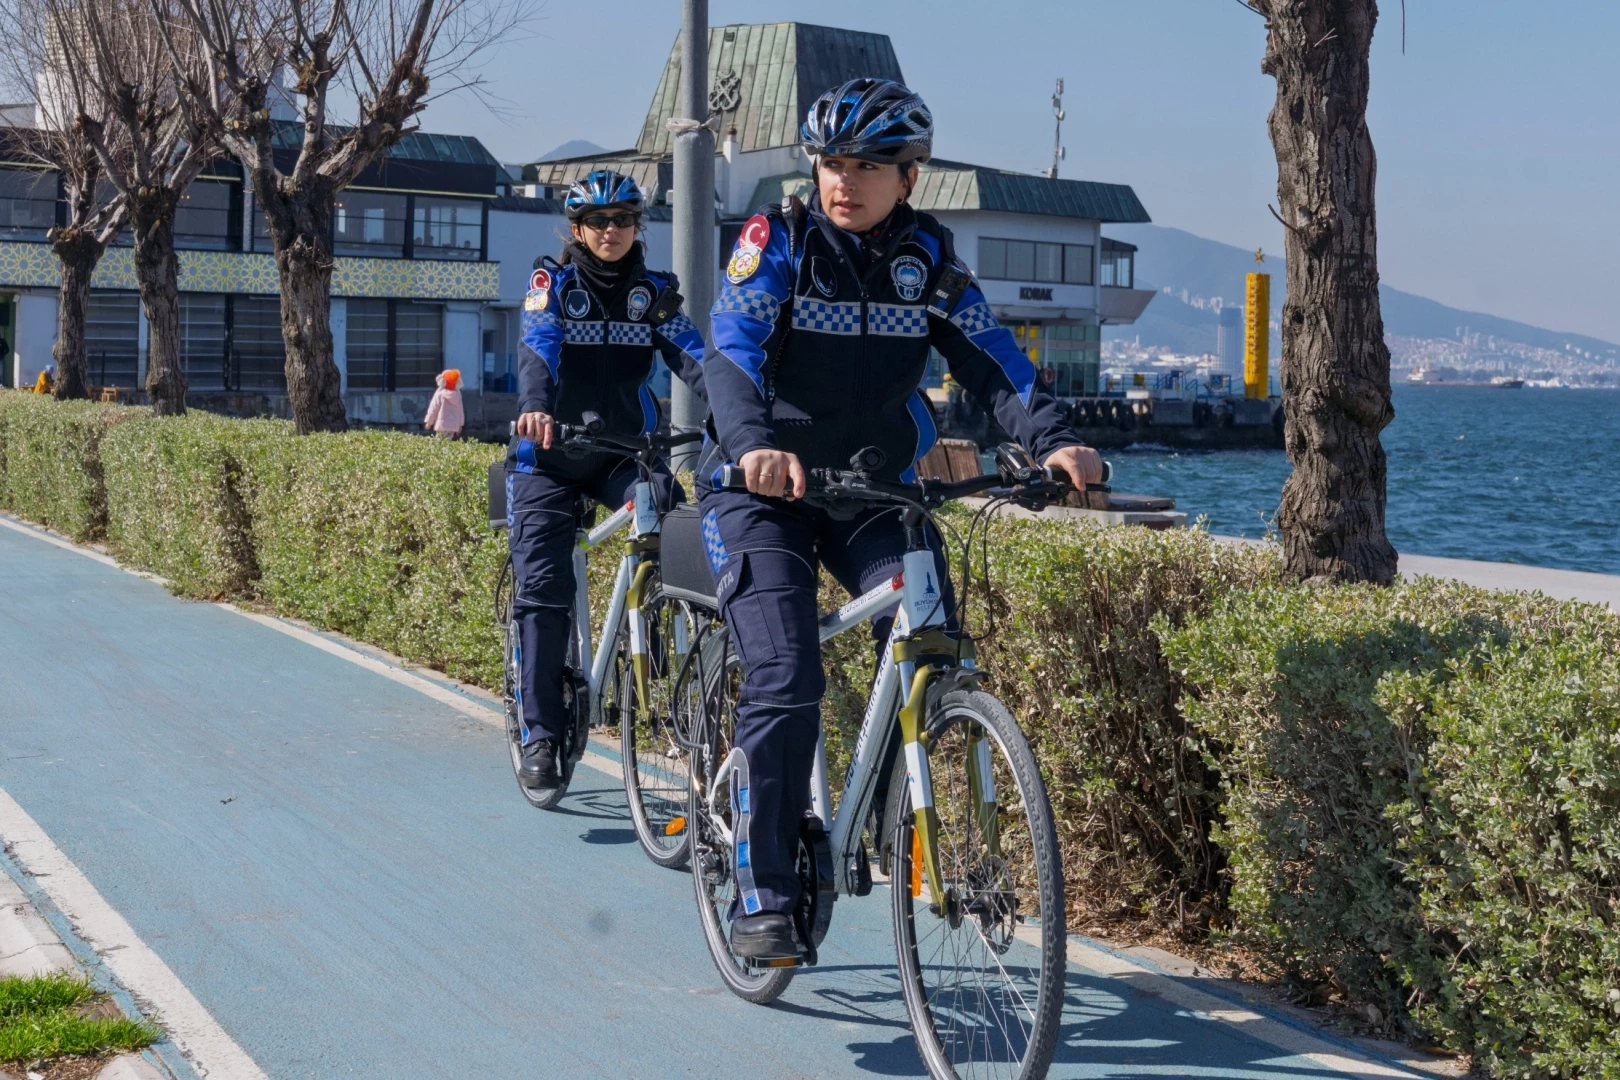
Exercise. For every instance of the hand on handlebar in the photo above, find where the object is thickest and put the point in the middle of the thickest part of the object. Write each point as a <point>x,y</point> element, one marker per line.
<point>536,426</point>
<point>1081,464</point>
<point>773,473</point>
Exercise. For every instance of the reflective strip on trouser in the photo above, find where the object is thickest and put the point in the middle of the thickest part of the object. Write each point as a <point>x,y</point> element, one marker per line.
<point>742,867</point>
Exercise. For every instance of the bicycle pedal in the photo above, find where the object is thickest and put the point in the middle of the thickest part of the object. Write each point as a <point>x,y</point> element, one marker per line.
<point>771,963</point>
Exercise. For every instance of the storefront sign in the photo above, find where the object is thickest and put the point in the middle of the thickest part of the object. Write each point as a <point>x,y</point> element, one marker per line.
<point>1034,292</point>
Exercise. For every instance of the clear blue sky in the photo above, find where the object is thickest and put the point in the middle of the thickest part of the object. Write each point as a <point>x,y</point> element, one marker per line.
<point>1498,132</point>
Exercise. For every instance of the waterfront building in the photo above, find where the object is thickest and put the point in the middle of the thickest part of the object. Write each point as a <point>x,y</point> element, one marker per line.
<point>434,245</point>
<point>1035,243</point>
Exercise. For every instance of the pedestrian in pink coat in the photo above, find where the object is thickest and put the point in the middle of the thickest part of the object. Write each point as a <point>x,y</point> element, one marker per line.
<point>445,417</point>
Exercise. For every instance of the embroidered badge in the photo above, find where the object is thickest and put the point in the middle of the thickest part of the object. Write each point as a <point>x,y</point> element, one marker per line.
<point>577,302</point>
<point>744,261</point>
<point>909,276</point>
<point>756,233</point>
<point>540,279</point>
<point>821,275</point>
<point>637,303</point>
<point>536,300</point>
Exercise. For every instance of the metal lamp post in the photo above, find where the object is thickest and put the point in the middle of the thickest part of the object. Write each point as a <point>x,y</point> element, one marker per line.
<point>693,203</point>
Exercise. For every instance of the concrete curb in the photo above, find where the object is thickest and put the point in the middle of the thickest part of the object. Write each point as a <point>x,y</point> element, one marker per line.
<point>29,946</point>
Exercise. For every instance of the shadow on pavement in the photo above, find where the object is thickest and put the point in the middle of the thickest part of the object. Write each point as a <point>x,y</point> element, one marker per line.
<point>1111,1027</point>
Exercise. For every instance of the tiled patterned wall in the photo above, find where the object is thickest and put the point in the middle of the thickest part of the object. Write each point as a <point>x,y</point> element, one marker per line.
<point>24,264</point>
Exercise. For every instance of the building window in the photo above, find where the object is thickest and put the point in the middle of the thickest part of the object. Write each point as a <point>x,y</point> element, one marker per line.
<point>203,333</point>
<point>203,218</point>
<point>418,344</point>
<point>27,203</point>
<point>394,344</point>
<point>1077,264</point>
<point>1034,260</point>
<point>1117,268</point>
<point>366,344</point>
<point>447,228</point>
<point>112,332</point>
<point>258,357</point>
<point>369,223</point>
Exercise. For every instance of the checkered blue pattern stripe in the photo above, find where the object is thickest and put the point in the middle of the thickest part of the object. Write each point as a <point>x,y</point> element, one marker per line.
<point>975,319</point>
<point>753,302</point>
<point>826,317</point>
<point>629,333</point>
<point>680,324</point>
<point>897,320</point>
<point>712,543</point>
<point>576,332</point>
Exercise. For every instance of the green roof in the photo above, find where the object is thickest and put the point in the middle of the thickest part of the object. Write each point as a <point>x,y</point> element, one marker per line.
<point>779,69</point>
<point>951,185</point>
<point>417,146</point>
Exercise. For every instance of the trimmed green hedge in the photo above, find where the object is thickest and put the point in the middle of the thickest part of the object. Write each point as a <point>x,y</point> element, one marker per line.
<point>1404,798</point>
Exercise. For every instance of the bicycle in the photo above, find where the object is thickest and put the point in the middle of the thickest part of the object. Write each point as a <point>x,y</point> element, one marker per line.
<point>620,684</point>
<point>972,856</point>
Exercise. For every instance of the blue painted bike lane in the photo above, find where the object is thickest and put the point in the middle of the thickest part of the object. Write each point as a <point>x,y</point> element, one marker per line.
<point>341,871</point>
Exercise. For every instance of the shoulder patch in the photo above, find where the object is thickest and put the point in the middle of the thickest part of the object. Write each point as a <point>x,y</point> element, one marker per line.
<point>537,299</point>
<point>756,231</point>
<point>540,279</point>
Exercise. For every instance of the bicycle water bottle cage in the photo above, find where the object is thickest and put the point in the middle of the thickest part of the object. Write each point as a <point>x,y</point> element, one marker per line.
<point>868,460</point>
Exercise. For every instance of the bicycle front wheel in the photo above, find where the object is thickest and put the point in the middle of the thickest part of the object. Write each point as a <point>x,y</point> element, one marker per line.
<point>981,950</point>
<point>652,733</point>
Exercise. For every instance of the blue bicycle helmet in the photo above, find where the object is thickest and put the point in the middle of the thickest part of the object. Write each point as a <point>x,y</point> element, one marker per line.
<point>602,190</point>
<point>870,119</point>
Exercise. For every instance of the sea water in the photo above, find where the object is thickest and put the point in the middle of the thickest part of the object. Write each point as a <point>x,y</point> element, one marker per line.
<point>1523,476</point>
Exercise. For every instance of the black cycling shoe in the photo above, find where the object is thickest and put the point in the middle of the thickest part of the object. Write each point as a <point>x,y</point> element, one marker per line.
<point>767,936</point>
<point>539,769</point>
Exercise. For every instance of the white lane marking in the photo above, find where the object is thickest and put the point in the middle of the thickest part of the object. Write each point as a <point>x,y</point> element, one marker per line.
<point>212,1052</point>
<point>66,545</point>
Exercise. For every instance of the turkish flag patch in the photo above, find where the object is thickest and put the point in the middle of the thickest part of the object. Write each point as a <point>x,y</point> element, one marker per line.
<point>540,279</point>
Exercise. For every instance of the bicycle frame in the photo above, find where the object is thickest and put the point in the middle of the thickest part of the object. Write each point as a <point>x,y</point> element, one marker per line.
<point>629,586</point>
<point>917,631</point>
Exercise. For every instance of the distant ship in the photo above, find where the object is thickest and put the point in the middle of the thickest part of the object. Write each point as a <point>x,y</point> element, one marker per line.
<point>1416,375</point>
<point>1508,382</point>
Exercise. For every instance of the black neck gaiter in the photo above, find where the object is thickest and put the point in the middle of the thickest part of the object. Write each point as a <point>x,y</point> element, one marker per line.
<point>607,280</point>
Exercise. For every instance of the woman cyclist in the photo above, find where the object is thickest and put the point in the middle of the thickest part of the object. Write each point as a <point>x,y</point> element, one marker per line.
<point>592,321</point>
<point>821,336</point>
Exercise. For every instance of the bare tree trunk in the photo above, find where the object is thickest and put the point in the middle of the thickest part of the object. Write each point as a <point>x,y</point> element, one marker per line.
<point>301,225</point>
<point>1335,364</point>
<point>157,272</point>
<point>78,251</point>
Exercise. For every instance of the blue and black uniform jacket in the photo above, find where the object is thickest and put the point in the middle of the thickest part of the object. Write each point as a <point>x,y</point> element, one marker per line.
<point>578,356</point>
<point>820,349</point>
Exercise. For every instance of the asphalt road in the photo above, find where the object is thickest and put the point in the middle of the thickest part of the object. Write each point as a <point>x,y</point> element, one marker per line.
<point>341,871</point>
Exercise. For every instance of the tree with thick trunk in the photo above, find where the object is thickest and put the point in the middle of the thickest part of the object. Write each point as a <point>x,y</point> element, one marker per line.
<point>385,53</point>
<point>92,216</point>
<point>1335,364</point>
<point>111,62</point>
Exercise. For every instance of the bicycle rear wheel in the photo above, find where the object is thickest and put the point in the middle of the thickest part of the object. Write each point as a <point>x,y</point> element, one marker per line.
<point>713,696</point>
<point>982,965</point>
<point>652,738</point>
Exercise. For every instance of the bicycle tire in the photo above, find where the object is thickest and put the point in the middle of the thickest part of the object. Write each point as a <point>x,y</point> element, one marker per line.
<point>655,763</point>
<point>721,673</point>
<point>984,1024</point>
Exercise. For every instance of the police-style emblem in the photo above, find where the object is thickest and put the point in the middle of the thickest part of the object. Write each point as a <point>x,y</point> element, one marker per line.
<point>537,299</point>
<point>909,276</point>
<point>756,233</point>
<point>637,303</point>
<point>821,275</point>
<point>540,279</point>
<point>577,303</point>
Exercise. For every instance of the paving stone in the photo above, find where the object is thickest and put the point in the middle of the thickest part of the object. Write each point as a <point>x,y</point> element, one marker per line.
<point>28,945</point>
<point>130,1067</point>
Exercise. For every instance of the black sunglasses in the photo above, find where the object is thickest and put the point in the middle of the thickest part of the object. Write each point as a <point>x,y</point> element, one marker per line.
<point>600,222</point>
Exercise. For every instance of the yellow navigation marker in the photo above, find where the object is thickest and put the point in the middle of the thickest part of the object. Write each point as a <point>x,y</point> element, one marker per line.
<point>1257,338</point>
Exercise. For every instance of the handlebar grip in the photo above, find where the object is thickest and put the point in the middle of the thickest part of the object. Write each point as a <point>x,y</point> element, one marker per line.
<point>732,478</point>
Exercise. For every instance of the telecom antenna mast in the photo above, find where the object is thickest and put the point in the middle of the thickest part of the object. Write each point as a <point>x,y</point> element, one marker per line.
<point>1058,153</point>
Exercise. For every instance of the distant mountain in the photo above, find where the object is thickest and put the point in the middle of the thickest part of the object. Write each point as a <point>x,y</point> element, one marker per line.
<point>571,148</point>
<point>1200,272</point>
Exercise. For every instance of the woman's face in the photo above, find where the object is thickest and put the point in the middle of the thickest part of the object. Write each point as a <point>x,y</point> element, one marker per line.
<point>608,234</point>
<point>857,194</point>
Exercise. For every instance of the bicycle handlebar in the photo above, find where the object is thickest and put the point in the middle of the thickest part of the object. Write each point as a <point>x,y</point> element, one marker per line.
<point>589,435</point>
<point>823,486</point>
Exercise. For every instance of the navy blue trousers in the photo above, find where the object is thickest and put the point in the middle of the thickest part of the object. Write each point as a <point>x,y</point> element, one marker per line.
<point>765,553</point>
<point>542,518</point>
